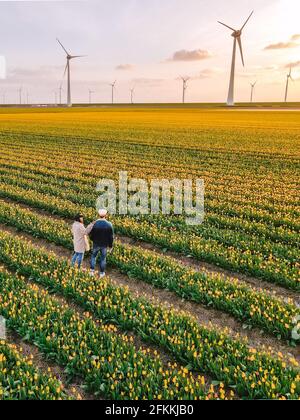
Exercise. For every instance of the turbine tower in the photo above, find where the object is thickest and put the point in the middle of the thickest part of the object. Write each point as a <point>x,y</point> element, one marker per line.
<point>20,95</point>
<point>237,35</point>
<point>113,85</point>
<point>132,94</point>
<point>252,90</point>
<point>185,86</point>
<point>55,97</point>
<point>60,89</point>
<point>68,70</point>
<point>288,78</point>
<point>90,95</point>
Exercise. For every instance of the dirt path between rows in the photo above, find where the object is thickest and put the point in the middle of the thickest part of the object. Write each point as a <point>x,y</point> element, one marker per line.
<point>197,265</point>
<point>205,316</point>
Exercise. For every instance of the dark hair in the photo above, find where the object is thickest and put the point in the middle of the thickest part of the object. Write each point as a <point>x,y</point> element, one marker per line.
<point>78,217</point>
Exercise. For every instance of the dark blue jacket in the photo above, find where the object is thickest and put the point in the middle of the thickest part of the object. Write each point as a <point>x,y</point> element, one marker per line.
<point>102,234</point>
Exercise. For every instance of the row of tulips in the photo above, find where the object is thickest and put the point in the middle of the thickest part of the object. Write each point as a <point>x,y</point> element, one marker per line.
<point>20,380</point>
<point>251,373</point>
<point>230,231</point>
<point>270,267</point>
<point>283,214</point>
<point>276,234</point>
<point>226,183</point>
<point>109,364</point>
<point>230,207</point>
<point>246,304</point>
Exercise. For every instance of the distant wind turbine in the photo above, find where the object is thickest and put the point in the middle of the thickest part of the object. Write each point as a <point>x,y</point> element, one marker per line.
<point>288,78</point>
<point>113,85</point>
<point>20,95</point>
<point>132,95</point>
<point>90,95</point>
<point>184,88</point>
<point>237,35</point>
<point>252,90</point>
<point>68,70</point>
<point>4,98</point>
<point>55,97</point>
<point>60,89</point>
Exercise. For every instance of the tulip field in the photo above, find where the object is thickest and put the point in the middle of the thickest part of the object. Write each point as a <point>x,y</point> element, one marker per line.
<point>21,380</point>
<point>207,312</point>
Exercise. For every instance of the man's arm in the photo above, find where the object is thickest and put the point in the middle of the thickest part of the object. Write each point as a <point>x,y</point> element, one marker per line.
<point>89,229</point>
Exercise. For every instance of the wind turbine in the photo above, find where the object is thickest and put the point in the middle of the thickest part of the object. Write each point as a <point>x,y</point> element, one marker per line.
<point>252,90</point>
<point>113,85</point>
<point>132,90</point>
<point>60,89</point>
<point>237,35</point>
<point>288,78</point>
<point>90,95</point>
<point>55,97</point>
<point>185,86</point>
<point>4,98</point>
<point>20,94</point>
<point>68,70</point>
<point>27,98</point>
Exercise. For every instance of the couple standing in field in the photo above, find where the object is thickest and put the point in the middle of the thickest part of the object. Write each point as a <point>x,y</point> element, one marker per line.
<point>102,235</point>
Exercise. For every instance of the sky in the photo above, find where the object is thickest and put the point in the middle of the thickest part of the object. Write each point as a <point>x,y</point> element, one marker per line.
<point>148,45</point>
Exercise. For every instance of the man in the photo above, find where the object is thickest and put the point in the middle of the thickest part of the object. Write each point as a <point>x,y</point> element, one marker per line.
<point>80,241</point>
<point>102,235</point>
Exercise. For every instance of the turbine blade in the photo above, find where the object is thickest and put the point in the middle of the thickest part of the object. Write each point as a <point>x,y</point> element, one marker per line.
<point>241,49</point>
<point>76,56</point>
<point>247,20</point>
<point>65,71</point>
<point>62,46</point>
<point>224,24</point>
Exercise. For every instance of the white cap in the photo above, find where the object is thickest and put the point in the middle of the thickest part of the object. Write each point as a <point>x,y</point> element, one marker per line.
<point>103,213</point>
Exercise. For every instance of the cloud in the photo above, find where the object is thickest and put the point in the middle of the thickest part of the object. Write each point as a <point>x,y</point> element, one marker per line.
<point>29,74</point>
<point>195,55</point>
<point>125,67</point>
<point>204,74</point>
<point>148,82</point>
<point>281,46</point>
<point>271,67</point>
<point>207,73</point>
<point>285,45</point>
<point>247,75</point>
<point>295,37</point>
<point>293,65</point>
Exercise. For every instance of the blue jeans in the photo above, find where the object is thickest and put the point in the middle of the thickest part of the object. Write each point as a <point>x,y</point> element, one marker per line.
<point>77,257</point>
<point>103,255</point>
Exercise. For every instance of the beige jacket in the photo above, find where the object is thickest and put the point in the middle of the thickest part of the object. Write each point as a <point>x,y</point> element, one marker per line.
<point>80,239</point>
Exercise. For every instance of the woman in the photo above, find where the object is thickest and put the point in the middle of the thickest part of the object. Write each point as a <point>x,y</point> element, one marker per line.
<point>80,240</point>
